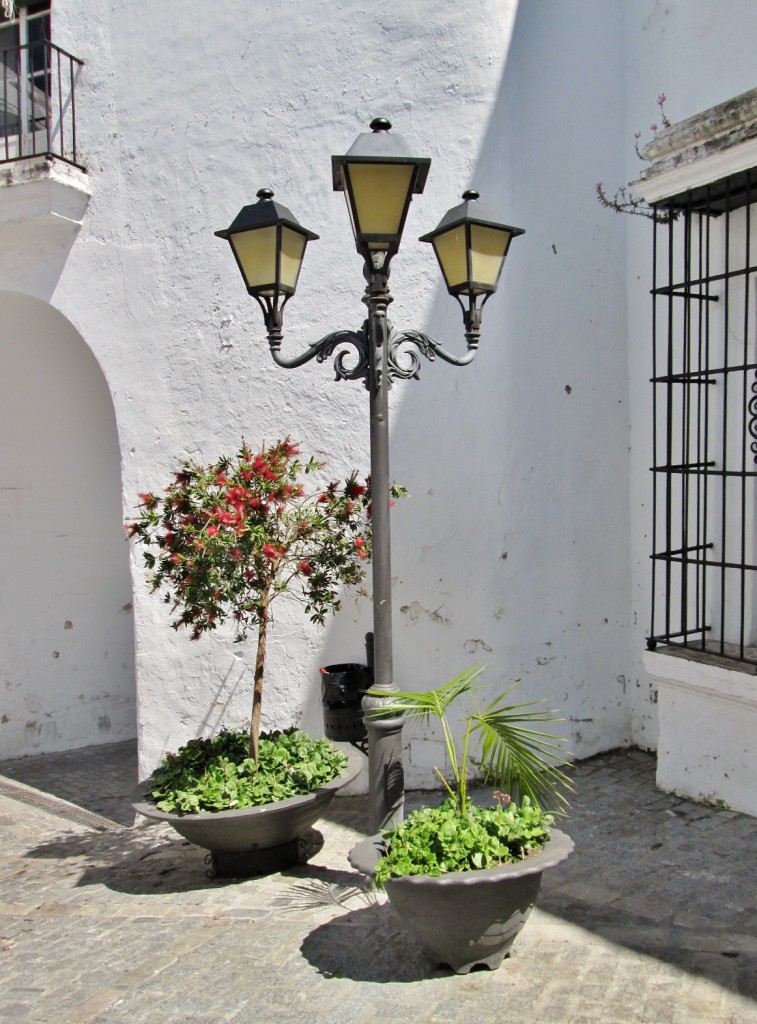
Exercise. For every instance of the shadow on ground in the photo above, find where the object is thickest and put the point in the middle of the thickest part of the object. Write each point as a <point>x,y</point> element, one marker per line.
<point>99,779</point>
<point>651,872</point>
<point>387,952</point>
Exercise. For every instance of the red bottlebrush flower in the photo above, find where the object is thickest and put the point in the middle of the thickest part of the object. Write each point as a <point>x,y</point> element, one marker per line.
<point>260,513</point>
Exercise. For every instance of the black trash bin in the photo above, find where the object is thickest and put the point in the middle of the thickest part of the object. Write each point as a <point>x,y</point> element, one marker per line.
<point>342,688</point>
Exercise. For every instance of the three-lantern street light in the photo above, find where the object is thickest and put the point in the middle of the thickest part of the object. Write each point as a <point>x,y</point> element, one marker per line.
<point>379,176</point>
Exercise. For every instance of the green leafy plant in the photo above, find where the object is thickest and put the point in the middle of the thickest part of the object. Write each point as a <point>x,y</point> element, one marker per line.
<point>513,754</point>
<point>223,541</point>
<point>218,774</point>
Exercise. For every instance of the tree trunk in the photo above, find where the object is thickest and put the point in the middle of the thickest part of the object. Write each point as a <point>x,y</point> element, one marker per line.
<point>257,697</point>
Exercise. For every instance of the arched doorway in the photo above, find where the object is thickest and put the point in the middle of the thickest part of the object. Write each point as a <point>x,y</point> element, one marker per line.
<point>66,637</point>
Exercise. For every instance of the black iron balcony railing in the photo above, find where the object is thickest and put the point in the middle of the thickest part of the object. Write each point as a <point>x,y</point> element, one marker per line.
<point>38,103</point>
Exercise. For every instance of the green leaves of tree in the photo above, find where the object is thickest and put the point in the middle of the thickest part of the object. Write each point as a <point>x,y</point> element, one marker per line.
<point>225,539</point>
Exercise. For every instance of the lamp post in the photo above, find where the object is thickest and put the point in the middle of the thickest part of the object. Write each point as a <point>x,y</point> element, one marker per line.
<point>379,176</point>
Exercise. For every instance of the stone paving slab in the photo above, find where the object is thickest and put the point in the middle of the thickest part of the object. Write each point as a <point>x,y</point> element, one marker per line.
<point>651,921</point>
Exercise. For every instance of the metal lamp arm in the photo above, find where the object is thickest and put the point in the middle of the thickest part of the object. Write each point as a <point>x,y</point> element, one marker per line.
<point>273,315</point>
<point>430,348</point>
<point>319,350</point>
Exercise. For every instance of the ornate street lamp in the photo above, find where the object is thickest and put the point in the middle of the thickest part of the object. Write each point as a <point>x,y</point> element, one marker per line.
<point>268,243</point>
<point>471,246</point>
<point>379,176</point>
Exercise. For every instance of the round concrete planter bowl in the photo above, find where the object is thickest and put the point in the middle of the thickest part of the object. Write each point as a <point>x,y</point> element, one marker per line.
<point>253,840</point>
<point>466,918</point>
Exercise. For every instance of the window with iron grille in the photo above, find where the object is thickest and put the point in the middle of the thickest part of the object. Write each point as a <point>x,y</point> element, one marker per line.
<point>704,544</point>
<point>26,79</point>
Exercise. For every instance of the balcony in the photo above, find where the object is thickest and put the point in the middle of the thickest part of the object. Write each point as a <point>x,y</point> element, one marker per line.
<point>38,103</point>
<point>44,187</point>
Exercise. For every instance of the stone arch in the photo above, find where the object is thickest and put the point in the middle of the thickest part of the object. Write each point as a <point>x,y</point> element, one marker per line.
<point>67,646</point>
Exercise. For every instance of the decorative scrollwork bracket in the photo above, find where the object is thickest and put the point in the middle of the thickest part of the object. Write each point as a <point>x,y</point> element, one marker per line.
<point>403,363</point>
<point>327,347</point>
<point>752,425</point>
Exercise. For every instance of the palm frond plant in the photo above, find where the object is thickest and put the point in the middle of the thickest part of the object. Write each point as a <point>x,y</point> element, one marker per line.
<point>515,755</point>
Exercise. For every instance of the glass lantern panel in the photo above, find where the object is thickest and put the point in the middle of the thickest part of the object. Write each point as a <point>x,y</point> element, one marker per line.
<point>379,196</point>
<point>488,248</point>
<point>256,252</point>
<point>292,251</point>
<point>451,253</point>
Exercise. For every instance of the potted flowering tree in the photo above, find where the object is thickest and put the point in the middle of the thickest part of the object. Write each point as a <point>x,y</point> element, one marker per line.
<point>222,543</point>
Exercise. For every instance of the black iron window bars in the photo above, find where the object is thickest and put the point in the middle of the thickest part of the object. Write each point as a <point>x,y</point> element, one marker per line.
<point>704,537</point>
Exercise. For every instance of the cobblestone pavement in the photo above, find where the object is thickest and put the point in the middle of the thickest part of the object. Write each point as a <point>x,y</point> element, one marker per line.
<point>103,920</point>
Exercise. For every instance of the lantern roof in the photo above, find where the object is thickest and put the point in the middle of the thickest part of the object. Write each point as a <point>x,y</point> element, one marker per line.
<point>379,146</point>
<point>264,214</point>
<point>470,211</point>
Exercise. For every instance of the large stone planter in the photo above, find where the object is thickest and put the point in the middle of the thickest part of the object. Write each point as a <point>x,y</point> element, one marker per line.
<point>466,918</point>
<point>254,840</point>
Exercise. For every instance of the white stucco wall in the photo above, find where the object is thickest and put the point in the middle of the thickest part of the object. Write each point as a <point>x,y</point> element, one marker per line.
<point>514,546</point>
<point>525,543</point>
<point>699,55</point>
